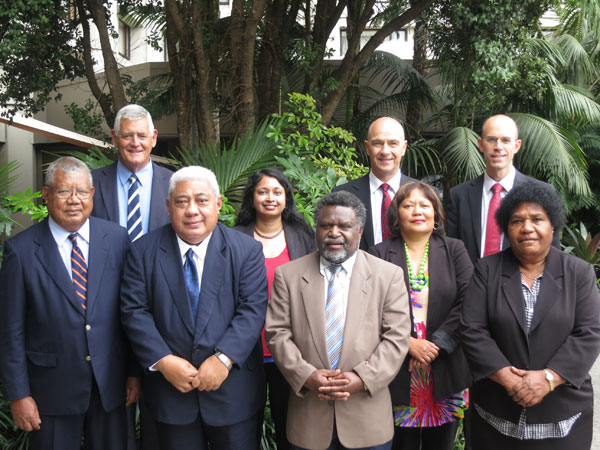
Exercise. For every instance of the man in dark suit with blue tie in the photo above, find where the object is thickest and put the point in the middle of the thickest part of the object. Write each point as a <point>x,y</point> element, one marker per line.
<point>135,137</point>
<point>193,306</point>
<point>63,353</point>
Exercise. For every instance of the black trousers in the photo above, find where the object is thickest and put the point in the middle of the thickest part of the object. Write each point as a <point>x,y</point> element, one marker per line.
<point>425,438</point>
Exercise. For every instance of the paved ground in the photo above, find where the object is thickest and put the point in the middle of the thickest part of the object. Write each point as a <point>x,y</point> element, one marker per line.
<point>596,382</point>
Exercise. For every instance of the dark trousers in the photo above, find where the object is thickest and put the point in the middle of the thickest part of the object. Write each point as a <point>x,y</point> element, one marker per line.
<point>425,438</point>
<point>100,429</point>
<point>148,438</point>
<point>279,393</point>
<point>198,435</point>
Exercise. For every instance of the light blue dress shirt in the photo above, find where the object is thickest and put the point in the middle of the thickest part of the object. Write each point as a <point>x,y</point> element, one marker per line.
<point>145,179</point>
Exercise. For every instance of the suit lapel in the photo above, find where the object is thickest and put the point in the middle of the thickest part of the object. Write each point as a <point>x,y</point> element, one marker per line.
<point>358,300</point>
<point>511,288</point>
<point>50,259</point>
<point>212,279</point>
<point>170,262</point>
<point>363,191</point>
<point>475,194</point>
<point>550,289</point>
<point>157,200</point>
<point>435,253</point>
<point>313,298</point>
<point>98,250</point>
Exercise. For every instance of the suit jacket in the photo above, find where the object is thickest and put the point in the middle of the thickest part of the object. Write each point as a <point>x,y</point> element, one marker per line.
<point>361,188</point>
<point>463,216</point>
<point>450,271</point>
<point>44,342</point>
<point>298,241</point>
<point>106,202</point>
<point>157,317</point>
<point>564,333</point>
<point>375,343</point>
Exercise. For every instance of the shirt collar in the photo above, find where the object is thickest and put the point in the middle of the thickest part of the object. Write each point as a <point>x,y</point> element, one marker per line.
<point>144,176</point>
<point>347,265</point>
<point>199,249</point>
<point>375,182</point>
<point>507,182</point>
<point>61,235</point>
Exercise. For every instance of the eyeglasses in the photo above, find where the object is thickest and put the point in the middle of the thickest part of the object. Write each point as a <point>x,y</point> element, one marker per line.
<point>505,140</point>
<point>68,193</point>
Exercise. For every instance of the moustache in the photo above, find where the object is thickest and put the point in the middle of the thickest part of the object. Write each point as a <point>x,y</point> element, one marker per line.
<point>334,241</point>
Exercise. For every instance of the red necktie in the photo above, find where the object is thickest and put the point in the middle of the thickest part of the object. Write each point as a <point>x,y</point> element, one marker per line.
<point>492,230</point>
<point>385,204</point>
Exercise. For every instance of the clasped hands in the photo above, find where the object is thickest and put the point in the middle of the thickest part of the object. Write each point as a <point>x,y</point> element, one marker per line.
<point>334,384</point>
<point>422,353</point>
<point>185,377</point>
<point>525,387</point>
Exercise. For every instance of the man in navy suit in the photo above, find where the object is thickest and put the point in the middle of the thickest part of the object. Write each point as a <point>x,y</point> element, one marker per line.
<point>62,348</point>
<point>385,146</point>
<point>467,210</point>
<point>193,306</point>
<point>135,137</point>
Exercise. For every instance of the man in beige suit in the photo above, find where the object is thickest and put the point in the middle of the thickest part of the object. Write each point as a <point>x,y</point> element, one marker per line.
<point>338,327</point>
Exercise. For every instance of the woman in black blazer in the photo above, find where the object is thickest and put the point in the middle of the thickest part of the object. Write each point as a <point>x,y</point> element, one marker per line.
<point>429,394</point>
<point>531,332</point>
<point>268,214</point>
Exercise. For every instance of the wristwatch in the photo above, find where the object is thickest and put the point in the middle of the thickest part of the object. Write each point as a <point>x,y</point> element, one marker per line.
<point>549,379</point>
<point>224,359</point>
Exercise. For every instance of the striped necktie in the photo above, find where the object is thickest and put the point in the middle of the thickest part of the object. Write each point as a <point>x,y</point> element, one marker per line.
<point>134,216</point>
<point>385,205</point>
<point>334,317</point>
<point>79,271</point>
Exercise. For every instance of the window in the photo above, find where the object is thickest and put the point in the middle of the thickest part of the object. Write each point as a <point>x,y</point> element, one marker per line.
<point>124,40</point>
<point>401,35</point>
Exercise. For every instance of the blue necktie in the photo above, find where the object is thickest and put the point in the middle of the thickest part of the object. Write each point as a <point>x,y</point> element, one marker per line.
<point>79,271</point>
<point>134,216</point>
<point>191,281</point>
<point>334,317</point>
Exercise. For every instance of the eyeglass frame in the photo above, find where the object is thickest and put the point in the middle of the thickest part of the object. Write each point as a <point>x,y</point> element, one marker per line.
<point>81,194</point>
<point>504,140</point>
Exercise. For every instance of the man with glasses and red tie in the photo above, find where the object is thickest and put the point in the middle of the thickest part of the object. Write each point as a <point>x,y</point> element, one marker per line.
<point>385,146</point>
<point>63,353</point>
<point>473,204</point>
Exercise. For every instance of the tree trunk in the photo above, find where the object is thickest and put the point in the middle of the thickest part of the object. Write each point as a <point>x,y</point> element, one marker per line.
<point>414,110</point>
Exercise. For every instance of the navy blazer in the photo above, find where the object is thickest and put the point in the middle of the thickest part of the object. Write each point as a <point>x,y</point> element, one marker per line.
<point>463,214</point>
<point>564,334</point>
<point>43,338</point>
<point>362,189</point>
<point>299,242</point>
<point>450,271</point>
<point>106,201</point>
<point>157,317</point>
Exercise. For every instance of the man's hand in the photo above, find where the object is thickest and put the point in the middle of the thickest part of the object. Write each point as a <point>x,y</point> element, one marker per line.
<point>25,414</point>
<point>507,377</point>
<point>423,350</point>
<point>177,371</point>
<point>532,388</point>
<point>211,374</point>
<point>324,377</point>
<point>133,389</point>
<point>334,391</point>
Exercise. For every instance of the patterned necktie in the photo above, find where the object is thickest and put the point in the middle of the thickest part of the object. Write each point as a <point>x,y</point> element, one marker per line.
<point>134,216</point>
<point>334,317</point>
<point>385,204</point>
<point>79,271</point>
<point>191,281</point>
<point>492,230</point>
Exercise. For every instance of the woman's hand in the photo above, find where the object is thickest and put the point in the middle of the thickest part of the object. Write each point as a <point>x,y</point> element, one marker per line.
<point>508,377</point>
<point>533,386</point>
<point>423,351</point>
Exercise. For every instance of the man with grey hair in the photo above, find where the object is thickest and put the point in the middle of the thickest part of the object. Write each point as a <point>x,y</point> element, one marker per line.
<point>193,305</point>
<point>338,327</point>
<point>63,353</point>
<point>131,191</point>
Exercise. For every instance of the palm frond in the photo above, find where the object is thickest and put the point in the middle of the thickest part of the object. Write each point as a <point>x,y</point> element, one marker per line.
<point>578,67</point>
<point>460,152</point>
<point>572,103</point>
<point>421,160</point>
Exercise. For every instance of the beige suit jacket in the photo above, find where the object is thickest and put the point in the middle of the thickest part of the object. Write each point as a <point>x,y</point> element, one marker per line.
<point>376,338</point>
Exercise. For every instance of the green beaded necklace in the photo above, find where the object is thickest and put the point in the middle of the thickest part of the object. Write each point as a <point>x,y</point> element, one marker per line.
<point>418,282</point>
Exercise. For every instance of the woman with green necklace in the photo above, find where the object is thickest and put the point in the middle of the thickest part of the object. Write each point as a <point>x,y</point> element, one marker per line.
<point>430,393</point>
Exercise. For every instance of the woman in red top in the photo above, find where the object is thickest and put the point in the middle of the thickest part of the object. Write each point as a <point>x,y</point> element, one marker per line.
<point>268,213</point>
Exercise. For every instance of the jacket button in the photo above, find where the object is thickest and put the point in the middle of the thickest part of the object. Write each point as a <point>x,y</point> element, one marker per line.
<point>88,327</point>
<point>88,358</point>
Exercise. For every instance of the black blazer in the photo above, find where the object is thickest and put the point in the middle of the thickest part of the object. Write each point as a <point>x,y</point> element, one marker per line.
<point>299,241</point>
<point>106,202</point>
<point>361,188</point>
<point>450,271</point>
<point>463,214</point>
<point>564,333</point>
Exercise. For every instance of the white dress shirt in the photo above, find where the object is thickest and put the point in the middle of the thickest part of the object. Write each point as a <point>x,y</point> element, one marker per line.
<point>377,199</point>
<point>507,184</point>
<point>343,279</point>
<point>65,246</point>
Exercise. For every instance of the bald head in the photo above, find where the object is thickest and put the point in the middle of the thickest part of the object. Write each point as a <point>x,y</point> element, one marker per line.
<point>499,142</point>
<point>507,124</point>
<point>385,146</point>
